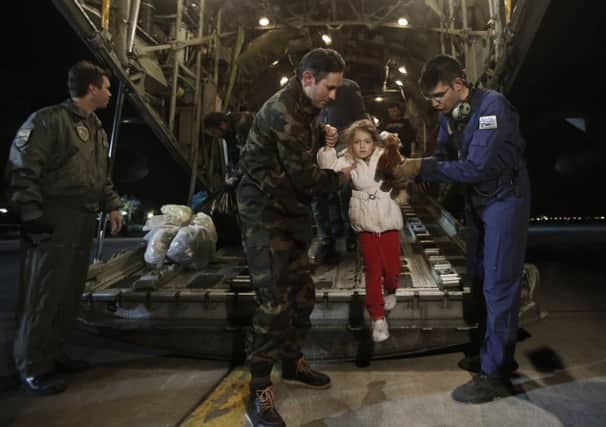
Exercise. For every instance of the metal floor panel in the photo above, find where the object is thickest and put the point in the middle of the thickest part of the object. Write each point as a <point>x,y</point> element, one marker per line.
<point>419,250</point>
<point>207,312</point>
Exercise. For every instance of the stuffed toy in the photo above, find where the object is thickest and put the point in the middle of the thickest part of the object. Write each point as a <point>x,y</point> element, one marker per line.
<point>390,158</point>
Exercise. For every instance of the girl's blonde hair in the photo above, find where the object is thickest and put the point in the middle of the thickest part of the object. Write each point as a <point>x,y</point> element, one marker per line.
<point>363,125</point>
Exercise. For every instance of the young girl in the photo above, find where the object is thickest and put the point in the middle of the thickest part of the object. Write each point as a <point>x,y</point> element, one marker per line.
<point>374,216</point>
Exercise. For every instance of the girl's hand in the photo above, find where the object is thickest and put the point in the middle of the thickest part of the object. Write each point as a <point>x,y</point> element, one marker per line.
<point>345,173</point>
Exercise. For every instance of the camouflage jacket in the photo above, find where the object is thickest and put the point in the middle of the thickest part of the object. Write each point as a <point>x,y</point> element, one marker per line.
<point>279,155</point>
<point>60,152</point>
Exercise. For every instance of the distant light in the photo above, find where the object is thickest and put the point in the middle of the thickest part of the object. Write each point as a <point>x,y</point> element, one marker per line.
<point>194,5</point>
<point>150,214</point>
<point>379,99</point>
<point>273,64</point>
<point>327,39</point>
<point>399,83</point>
<point>283,80</point>
<point>264,21</point>
<point>3,210</point>
<point>124,213</point>
<point>402,69</point>
<point>403,22</point>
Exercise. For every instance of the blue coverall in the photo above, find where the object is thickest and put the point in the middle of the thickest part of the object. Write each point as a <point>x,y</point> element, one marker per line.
<point>497,206</point>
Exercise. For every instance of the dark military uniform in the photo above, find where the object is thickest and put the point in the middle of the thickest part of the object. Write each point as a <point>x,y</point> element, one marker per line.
<point>57,168</point>
<point>406,133</point>
<point>347,107</point>
<point>236,132</point>
<point>331,209</point>
<point>280,175</point>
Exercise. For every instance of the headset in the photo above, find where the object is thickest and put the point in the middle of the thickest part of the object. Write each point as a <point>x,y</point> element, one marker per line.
<point>460,113</point>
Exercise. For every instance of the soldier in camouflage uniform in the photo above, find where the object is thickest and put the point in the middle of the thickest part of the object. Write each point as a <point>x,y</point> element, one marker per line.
<point>57,172</point>
<point>280,176</point>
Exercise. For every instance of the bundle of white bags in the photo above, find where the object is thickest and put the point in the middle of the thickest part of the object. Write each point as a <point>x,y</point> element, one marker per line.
<point>186,239</point>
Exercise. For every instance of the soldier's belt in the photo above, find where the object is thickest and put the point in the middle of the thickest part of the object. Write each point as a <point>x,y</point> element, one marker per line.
<point>77,203</point>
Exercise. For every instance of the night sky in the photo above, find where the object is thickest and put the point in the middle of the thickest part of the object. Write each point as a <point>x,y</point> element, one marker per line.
<point>34,69</point>
<point>35,75</point>
<point>34,72</point>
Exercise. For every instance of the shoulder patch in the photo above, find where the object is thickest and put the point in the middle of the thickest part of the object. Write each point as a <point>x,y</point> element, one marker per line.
<point>22,137</point>
<point>488,122</point>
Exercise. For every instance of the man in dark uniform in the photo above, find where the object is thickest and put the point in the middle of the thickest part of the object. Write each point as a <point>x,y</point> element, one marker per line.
<point>331,210</point>
<point>401,126</point>
<point>233,127</point>
<point>280,176</point>
<point>58,181</point>
<point>482,128</point>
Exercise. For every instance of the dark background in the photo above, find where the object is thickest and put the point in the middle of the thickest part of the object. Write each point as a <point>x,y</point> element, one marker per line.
<point>562,77</point>
<point>559,79</point>
<point>34,71</point>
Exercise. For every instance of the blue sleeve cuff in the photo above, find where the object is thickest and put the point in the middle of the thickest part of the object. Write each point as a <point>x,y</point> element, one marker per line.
<point>429,168</point>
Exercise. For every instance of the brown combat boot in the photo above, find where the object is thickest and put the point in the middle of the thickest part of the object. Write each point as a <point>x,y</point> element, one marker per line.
<point>298,372</point>
<point>260,410</point>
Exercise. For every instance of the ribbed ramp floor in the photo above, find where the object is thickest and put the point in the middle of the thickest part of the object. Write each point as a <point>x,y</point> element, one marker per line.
<point>179,309</point>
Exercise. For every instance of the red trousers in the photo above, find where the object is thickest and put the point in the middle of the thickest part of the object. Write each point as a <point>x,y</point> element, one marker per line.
<point>381,255</point>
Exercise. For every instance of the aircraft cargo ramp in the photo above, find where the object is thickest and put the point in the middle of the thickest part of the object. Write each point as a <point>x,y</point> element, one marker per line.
<point>206,312</point>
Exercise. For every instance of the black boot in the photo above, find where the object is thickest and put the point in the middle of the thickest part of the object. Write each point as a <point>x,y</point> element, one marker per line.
<point>473,364</point>
<point>482,389</point>
<point>351,242</point>
<point>326,254</point>
<point>260,410</point>
<point>43,384</point>
<point>66,364</point>
<point>297,371</point>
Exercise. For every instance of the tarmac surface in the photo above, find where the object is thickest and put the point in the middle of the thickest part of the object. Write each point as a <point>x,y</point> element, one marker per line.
<point>561,379</point>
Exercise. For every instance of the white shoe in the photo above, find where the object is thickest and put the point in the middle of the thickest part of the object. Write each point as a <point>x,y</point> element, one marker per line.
<point>390,301</point>
<point>380,331</point>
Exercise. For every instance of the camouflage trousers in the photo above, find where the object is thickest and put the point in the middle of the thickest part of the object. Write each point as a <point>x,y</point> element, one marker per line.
<point>276,248</point>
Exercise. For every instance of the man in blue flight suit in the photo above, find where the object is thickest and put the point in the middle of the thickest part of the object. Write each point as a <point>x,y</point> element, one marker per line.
<point>483,129</point>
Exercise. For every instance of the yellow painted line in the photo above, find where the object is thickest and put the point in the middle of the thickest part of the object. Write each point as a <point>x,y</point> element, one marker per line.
<point>226,404</point>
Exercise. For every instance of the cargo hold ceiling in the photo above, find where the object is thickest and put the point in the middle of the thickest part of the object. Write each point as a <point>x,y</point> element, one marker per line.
<point>181,59</point>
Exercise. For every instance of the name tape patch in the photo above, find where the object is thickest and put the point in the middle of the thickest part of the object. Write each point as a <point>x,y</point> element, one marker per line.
<point>488,122</point>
